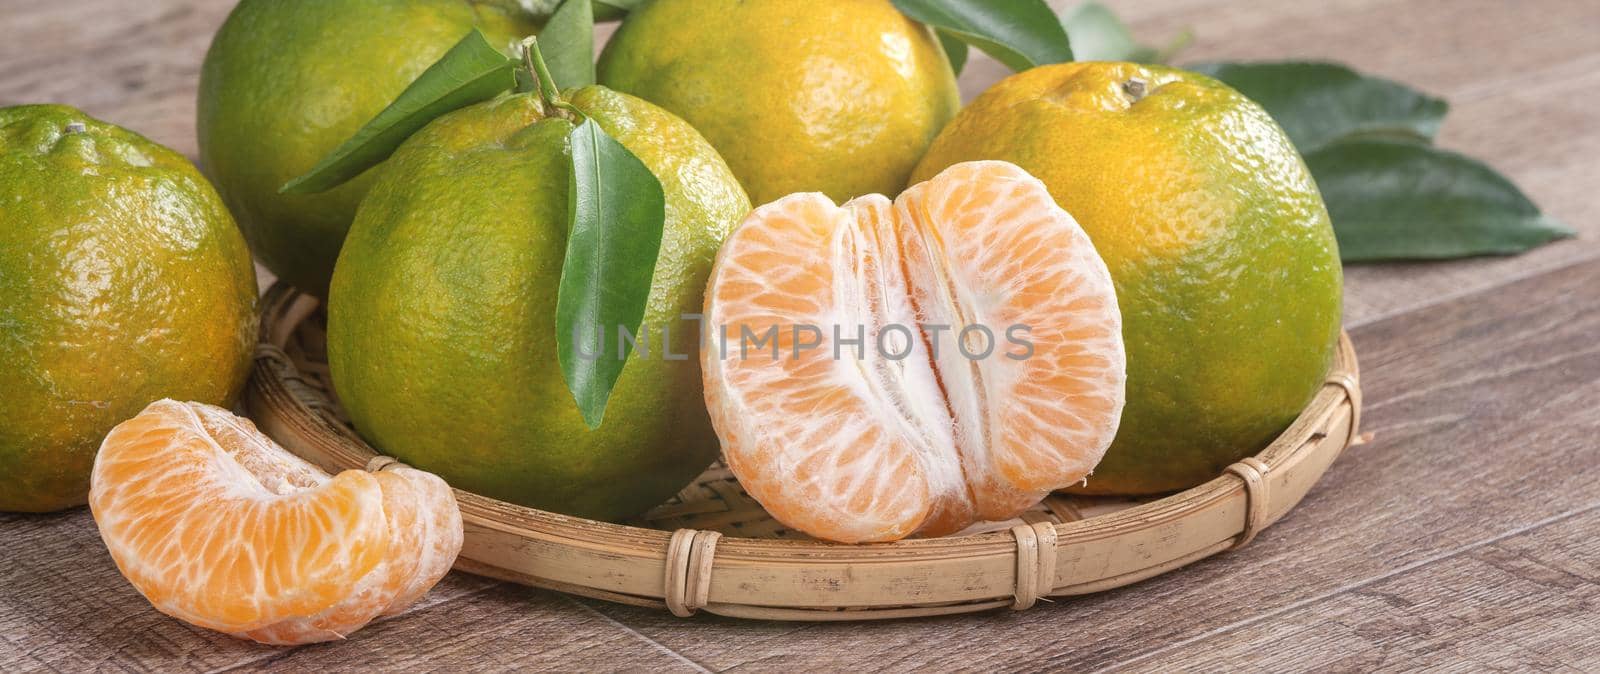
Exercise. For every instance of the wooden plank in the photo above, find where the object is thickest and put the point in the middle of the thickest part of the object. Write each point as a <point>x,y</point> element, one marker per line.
<point>1448,47</point>
<point>1527,601</point>
<point>1483,410</point>
<point>64,606</point>
<point>136,64</point>
<point>1544,141</point>
<point>511,628</point>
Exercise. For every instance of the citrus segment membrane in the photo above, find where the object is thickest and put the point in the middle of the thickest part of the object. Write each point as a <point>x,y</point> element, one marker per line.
<point>219,527</point>
<point>951,356</point>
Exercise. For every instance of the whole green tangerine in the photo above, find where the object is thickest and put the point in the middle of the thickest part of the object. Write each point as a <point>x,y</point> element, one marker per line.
<point>123,280</point>
<point>442,339</point>
<point>1226,266</point>
<point>834,96</point>
<point>285,81</point>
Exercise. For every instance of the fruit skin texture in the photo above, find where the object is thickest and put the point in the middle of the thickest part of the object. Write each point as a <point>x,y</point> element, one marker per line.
<point>1225,263</point>
<point>442,314</point>
<point>287,81</point>
<point>218,526</point>
<point>832,96</point>
<point>122,280</point>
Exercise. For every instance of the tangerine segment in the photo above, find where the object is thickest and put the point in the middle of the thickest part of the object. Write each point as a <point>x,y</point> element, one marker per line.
<point>218,526</point>
<point>882,369</point>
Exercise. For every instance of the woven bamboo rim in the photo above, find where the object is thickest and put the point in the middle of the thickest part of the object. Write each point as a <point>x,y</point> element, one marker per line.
<point>711,548</point>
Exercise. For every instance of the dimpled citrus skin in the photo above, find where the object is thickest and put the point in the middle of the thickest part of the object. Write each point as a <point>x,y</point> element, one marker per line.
<point>1218,241</point>
<point>832,96</point>
<point>122,280</point>
<point>442,312</point>
<point>286,81</point>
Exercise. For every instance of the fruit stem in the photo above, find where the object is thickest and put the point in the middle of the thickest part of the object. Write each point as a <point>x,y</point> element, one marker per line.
<point>549,93</point>
<point>1135,88</point>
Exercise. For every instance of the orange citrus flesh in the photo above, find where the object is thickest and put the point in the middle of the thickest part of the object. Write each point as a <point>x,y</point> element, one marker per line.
<point>220,527</point>
<point>916,428</point>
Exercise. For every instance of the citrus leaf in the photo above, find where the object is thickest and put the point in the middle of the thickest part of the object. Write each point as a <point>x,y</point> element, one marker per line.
<point>1396,200</point>
<point>1318,103</point>
<point>954,49</point>
<point>568,44</point>
<point>1098,35</point>
<point>471,72</point>
<point>1019,33</point>
<point>611,10</point>
<point>617,209</point>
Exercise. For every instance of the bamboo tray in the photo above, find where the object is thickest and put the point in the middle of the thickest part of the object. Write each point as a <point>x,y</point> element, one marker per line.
<point>713,548</point>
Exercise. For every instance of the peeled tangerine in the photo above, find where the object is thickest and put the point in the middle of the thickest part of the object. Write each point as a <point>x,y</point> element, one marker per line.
<point>218,526</point>
<point>879,369</point>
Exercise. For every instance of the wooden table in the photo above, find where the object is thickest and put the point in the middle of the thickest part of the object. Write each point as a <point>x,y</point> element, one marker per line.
<point>1466,535</point>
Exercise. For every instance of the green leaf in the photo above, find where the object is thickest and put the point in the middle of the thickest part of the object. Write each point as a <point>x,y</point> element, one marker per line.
<point>617,210</point>
<point>568,44</point>
<point>954,49</point>
<point>471,72</point>
<point>1098,35</point>
<point>1395,200</point>
<point>1319,103</point>
<point>611,10</point>
<point>1019,33</point>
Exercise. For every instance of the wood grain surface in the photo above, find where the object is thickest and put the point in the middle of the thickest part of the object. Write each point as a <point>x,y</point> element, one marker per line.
<point>1462,537</point>
<point>1484,416</point>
